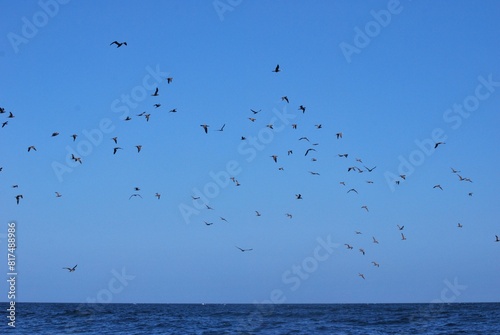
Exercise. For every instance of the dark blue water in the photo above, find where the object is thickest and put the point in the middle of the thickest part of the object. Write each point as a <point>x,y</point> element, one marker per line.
<point>182,319</point>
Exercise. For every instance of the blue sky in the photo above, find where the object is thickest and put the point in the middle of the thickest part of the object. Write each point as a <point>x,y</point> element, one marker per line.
<point>390,76</point>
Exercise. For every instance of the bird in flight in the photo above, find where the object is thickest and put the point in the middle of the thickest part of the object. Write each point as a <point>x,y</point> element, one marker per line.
<point>195,198</point>
<point>453,170</point>
<point>257,213</point>
<point>169,80</point>
<point>71,269</point>
<point>497,239</point>
<point>310,149</point>
<point>58,195</point>
<point>205,127</point>
<point>74,137</point>
<point>361,250</point>
<point>376,264</point>
<point>255,112</point>
<point>139,147</point>
<point>343,155</point>
<point>277,68</point>
<point>438,186</point>
<point>31,147</point>
<point>285,98</point>
<point>5,123</point>
<point>173,110</point>
<point>135,195</point>
<point>374,240</point>
<point>155,94</point>
<point>348,246</point>
<point>118,44</point>
<point>18,197</point>
<point>400,227</point>
<point>115,139</point>
<point>243,250</point>
<point>352,190</point>
<point>157,195</point>
<point>314,173</point>
<point>298,196</point>
<point>403,237</point>
<point>275,158</point>
<point>318,126</point>
<point>361,275</point>
<point>358,232</point>
<point>208,207</point>
<point>365,207</point>
<point>222,128</point>
<point>339,135</point>
<point>11,115</point>
<point>115,149</point>
<point>147,116</point>
<point>437,144</point>
<point>294,126</point>
<point>302,108</point>
<point>208,223</point>
<point>459,225</point>
<point>55,134</point>
<point>368,169</point>
<point>223,219</point>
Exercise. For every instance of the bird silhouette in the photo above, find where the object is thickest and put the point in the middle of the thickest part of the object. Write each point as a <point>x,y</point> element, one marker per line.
<point>403,237</point>
<point>173,110</point>
<point>368,169</point>
<point>157,195</point>
<point>243,250</point>
<point>139,147</point>
<point>118,44</point>
<point>361,250</point>
<point>275,158</point>
<point>497,239</point>
<point>208,223</point>
<point>222,128</point>
<point>58,195</point>
<point>352,190</point>
<point>157,105</point>
<point>257,213</point>
<point>453,170</point>
<point>438,186</point>
<point>400,227</point>
<point>277,68</point>
<point>302,108</point>
<point>376,264</point>
<point>339,135</point>
<point>5,123</point>
<point>298,196</point>
<point>437,144</point>
<point>11,116</point>
<point>285,98</point>
<point>365,207</point>
<point>205,127</point>
<point>115,149</point>
<point>361,275</point>
<point>314,173</point>
<point>31,147</point>
<point>135,195</point>
<point>375,240</point>
<point>71,269</point>
<point>74,137</point>
<point>310,149</point>
<point>115,139</point>
<point>169,80</point>
<point>348,246</point>
<point>255,112</point>
<point>18,197</point>
<point>459,225</point>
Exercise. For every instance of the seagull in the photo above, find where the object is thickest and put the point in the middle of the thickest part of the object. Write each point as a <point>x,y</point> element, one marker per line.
<point>285,98</point>
<point>374,240</point>
<point>257,213</point>
<point>310,149</point>
<point>459,225</point>
<point>453,170</point>
<point>195,198</point>
<point>343,155</point>
<point>438,186</point>
<point>277,68</point>
<point>252,119</point>
<point>208,207</point>
<point>348,246</point>
<point>294,126</point>
<point>400,227</point>
<point>55,134</point>
<point>169,80</point>
<point>403,237</point>
<point>361,250</point>
<point>115,149</point>
<point>288,215</point>
<point>118,44</point>
<point>74,137</point>
<point>318,126</point>
<point>31,147</point>
<point>5,123</point>
<point>304,138</point>
<point>376,264</point>
<point>135,195</point>
<point>58,195</point>
<point>139,147</point>
<point>205,127</point>
<point>497,239</point>
<point>173,110</point>
<point>275,158</point>
<point>270,126</point>
<point>157,195</point>
<point>342,183</point>
<point>352,190</point>
<point>314,173</point>
<point>403,176</point>
<point>243,250</point>
<point>361,275</point>
<point>365,207</point>
<point>18,197</point>
<point>290,152</point>
<point>71,269</point>
<point>339,135</point>
<point>155,94</point>
<point>298,196</point>
<point>470,194</point>
<point>368,169</point>
<point>128,118</point>
<point>222,128</point>
<point>208,223</point>
<point>255,112</point>
<point>137,189</point>
<point>358,232</point>
<point>11,115</point>
<point>157,105</point>
<point>437,144</point>
<point>302,108</point>
<point>223,219</point>
<point>147,116</point>
<point>115,139</point>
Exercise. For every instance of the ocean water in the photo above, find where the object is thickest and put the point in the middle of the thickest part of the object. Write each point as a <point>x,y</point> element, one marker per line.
<point>222,319</point>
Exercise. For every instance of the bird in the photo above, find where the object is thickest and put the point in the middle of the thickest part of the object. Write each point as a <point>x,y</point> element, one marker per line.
<point>208,207</point>
<point>314,173</point>
<point>343,155</point>
<point>252,119</point>
<point>137,188</point>
<point>155,94</point>
<point>318,126</point>
<point>71,269</point>
<point>173,110</point>
<point>205,127</point>
<point>208,223</point>
<point>157,105</point>
<point>400,227</point>
<point>438,186</point>
<point>470,194</point>
<point>115,149</point>
<point>310,149</point>
<point>55,134</point>
<point>361,250</point>
<point>157,195</point>
<point>222,128</point>
<point>18,197</point>
<point>403,176</point>
<point>342,183</point>
<point>437,144</point>
<point>5,123</point>
<point>288,215</point>
<point>128,118</point>
<point>361,275</point>
<point>169,80</point>
<point>139,147</point>
<point>147,116</point>
<point>254,111</point>
<point>135,195</point>
<point>304,138</point>
<point>195,198</point>
<point>459,225</point>
<point>374,240</point>
<point>11,115</point>
<point>497,239</point>
<point>352,190</point>
<point>257,213</point>
<point>277,68</point>
<point>285,98</point>
<point>15,186</point>
<point>365,207</point>
<point>302,108</point>
<point>74,137</point>
<point>118,44</point>
<point>358,232</point>
<point>453,170</point>
<point>58,195</point>
<point>348,246</point>
<point>376,264</point>
<point>298,196</point>
<point>223,219</point>
<point>294,126</point>
<point>115,139</point>
<point>339,135</point>
<point>31,147</point>
<point>243,250</point>
<point>289,152</point>
<point>368,169</point>
<point>369,181</point>
<point>403,237</point>
<point>270,126</point>
<point>275,158</point>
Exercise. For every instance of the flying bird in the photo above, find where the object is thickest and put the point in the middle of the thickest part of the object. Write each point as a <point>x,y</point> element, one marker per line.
<point>361,275</point>
<point>318,126</point>
<point>31,147</point>
<point>208,223</point>
<point>205,127</point>
<point>169,80</point>
<point>11,115</point>
<point>400,227</point>
<point>173,110</point>
<point>18,197</point>
<point>361,250</point>
<point>157,195</point>
<point>147,116</point>
<point>352,190</point>
<point>437,144</point>
<point>55,134</point>
<point>74,137</point>
<point>288,215</point>
<point>339,135</point>
<point>115,139</point>
<point>222,128</point>
<point>497,239</point>
<point>118,44</point>
<point>208,207</point>
<point>314,173</point>
<point>275,158</point>
<point>58,195</point>
<point>71,269</point>
<point>128,118</point>
<point>157,105</point>
<point>453,170</point>
<point>376,264</point>
<point>298,196</point>
<point>277,68</point>
<point>139,147</point>
<point>294,126</point>
<point>310,149</point>
<point>374,240</point>
<point>304,138</point>
<point>135,195</point>
<point>459,225</point>
<point>365,207</point>
<point>438,186</point>
<point>285,98</point>
<point>257,213</point>
<point>243,250</point>
<point>368,169</point>
<point>255,112</point>
<point>302,108</point>
<point>5,123</point>
<point>348,246</point>
<point>403,237</point>
<point>155,94</point>
<point>223,219</point>
<point>115,149</point>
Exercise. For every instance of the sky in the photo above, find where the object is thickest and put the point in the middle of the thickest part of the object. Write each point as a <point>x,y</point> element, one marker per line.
<point>393,77</point>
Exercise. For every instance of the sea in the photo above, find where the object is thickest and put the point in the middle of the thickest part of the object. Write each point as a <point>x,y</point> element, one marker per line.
<point>222,319</point>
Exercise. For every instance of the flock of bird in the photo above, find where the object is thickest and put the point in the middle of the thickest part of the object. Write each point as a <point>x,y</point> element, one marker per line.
<point>310,151</point>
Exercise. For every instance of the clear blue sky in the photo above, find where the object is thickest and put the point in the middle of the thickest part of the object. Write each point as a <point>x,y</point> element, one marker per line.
<point>388,75</point>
